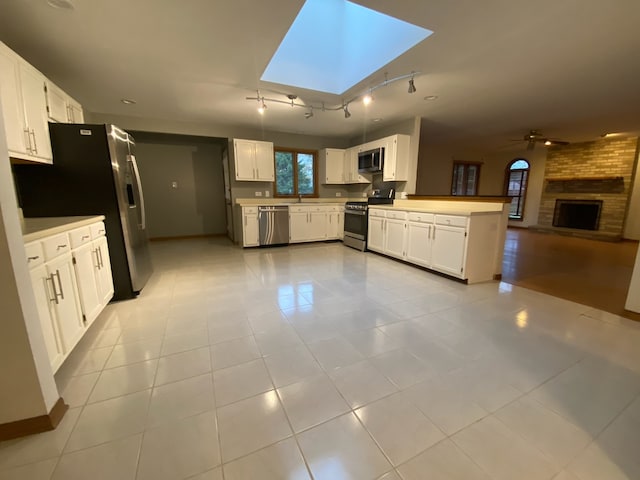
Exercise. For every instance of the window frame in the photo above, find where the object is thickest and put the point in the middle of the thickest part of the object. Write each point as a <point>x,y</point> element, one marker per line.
<point>295,152</point>
<point>522,190</point>
<point>465,177</point>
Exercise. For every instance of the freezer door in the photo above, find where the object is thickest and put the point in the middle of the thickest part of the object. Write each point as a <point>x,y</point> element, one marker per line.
<point>131,205</point>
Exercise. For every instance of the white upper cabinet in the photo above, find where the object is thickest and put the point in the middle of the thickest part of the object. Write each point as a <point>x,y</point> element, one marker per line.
<point>35,111</point>
<point>332,163</point>
<point>253,160</point>
<point>61,107</point>
<point>12,107</point>
<point>351,173</point>
<point>396,158</point>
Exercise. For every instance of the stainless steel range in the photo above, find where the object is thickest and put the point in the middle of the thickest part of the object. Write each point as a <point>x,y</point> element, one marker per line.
<point>356,218</point>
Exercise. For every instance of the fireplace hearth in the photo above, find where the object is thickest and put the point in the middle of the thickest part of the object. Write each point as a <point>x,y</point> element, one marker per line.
<point>580,214</point>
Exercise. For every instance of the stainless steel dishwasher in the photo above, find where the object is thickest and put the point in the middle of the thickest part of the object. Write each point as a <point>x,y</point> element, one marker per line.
<point>274,225</point>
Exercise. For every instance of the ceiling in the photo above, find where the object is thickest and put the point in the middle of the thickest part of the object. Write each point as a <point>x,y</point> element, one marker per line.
<point>568,68</point>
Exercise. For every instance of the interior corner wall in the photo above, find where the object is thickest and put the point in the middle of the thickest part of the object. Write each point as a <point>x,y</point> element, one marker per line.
<point>196,205</point>
<point>632,223</point>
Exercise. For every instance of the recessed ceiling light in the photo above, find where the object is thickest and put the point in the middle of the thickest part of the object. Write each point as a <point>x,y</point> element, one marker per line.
<point>431,97</point>
<point>128,101</point>
<point>66,4</point>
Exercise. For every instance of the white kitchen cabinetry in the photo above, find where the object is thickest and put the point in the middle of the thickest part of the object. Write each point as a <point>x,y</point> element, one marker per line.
<point>351,173</point>
<point>254,160</point>
<point>332,165</point>
<point>335,223</point>
<point>61,107</point>
<point>71,285</point>
<point>419,230</point>
<point>35,110</point>
<point>307,223</point>
<point>449,244</point>
<point>396,158</point>
<point>250,227</point>
<point>395,234</point>
<point>375,236</point>
<point>12,106</point>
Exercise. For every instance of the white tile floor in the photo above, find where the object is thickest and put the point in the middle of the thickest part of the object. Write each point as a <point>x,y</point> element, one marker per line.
<point>318,361</point>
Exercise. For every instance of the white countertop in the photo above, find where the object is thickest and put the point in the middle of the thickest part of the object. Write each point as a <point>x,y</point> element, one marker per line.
<point>253,202</point>
<point>436,211</point>
<point>41,227</point>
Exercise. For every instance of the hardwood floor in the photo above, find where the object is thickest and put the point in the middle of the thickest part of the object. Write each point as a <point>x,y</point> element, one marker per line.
<point>590,272</point>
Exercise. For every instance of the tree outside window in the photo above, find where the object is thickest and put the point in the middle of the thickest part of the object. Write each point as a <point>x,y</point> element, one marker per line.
<point>295,173</point>
<point>516,179</point>
<point>465,178</point>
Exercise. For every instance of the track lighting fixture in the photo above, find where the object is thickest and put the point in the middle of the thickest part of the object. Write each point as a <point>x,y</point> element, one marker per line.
<point>366,98</point>
<point>412,87</point>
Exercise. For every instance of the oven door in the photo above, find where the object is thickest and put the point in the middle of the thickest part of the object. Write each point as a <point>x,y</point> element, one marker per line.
<point>355,224</point>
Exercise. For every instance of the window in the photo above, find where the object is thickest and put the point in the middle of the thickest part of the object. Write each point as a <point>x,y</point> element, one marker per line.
<point>466,177</point>
<point>516,178</point>
<point>296,173</point>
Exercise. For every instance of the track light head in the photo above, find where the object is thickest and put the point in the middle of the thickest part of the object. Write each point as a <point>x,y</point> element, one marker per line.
<point>347,113</point>
<point>309,114</point>
<point>412,87</point>
<point>262,107</point>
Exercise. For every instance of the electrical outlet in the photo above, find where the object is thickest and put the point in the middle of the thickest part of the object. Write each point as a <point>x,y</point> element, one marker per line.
<point>258,194</point>
<point>338,194</point>
<point>266,193</point>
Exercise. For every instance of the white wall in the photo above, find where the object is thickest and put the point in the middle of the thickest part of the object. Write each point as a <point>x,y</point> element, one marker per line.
<point>27,386</point>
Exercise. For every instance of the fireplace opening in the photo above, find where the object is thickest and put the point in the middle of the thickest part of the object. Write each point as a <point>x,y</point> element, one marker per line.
<point>582,214</point>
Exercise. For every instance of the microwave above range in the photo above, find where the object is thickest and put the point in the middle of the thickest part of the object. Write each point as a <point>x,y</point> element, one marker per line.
<point>371,161</point>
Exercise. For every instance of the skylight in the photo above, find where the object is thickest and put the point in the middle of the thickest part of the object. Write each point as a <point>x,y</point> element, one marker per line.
<point>334,44</point>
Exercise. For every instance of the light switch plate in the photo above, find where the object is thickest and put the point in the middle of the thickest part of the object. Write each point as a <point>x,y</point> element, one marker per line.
<point>258,194</point>
<point>266,193</point>
<point>338,194</point>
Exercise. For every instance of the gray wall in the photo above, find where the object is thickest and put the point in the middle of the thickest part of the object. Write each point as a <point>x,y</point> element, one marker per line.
<point>197,206</point>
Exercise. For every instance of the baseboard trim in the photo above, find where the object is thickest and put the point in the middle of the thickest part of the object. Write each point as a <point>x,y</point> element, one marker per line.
<point>186,237</point>
<point>497,276</point>
<point>29,426</point>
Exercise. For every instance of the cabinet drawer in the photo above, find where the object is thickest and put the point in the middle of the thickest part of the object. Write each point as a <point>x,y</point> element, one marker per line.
<point>298,209</point>
<point>249,210</point>
<point>35,254</point>
<point>56,245</point>
<point>396,215</point>
<point>421,217</point>
<point>97,230</point>
<point>80,236</point>
<point>376,213</point>
<point>453,220</point>
<point>331,209</point>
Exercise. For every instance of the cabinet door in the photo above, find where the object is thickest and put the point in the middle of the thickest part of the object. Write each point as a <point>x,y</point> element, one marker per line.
<point>35,109</point>
<point>299,227</point>
<point>56,104</point>
<point>12,108</point>
<point>41,283</point>
<point>76,113</point>
<point>265,169</point>
<point>245,159</point>
<point>67,310</point>
<point>333,225</point>
<point>341,225</point>
<point>85,263</point>
<point>334,166</point>
<point>317,226</point>
<point>250,229</point>
<point>103,270</point>
<point>419,243</point>
<point>448,250</point>
<point>390,158</point>
<point>396,234</point>
<point>375,238</point>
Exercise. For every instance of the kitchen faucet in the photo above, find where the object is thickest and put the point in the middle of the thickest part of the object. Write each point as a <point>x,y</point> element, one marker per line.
<point>300,198</point>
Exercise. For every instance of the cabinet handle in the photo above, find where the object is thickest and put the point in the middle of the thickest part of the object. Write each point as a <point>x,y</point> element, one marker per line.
<point>27,140</point>
<point>245,220</point>
<point>35,145</point>
<point>53,287</point>
<point>100,254</point>
<point>257,173</point>
<point>29,259</point>
<point>61,246</point>
<point>97,258</point>
<point>84,237</point>
<point>434,232</point>
<point>57,274</point>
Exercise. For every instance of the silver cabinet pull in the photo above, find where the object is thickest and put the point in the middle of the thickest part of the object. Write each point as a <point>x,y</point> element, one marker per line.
<point>35,145</point>
<point>53,287</point>
<point>84,237</point>
<point>61,246</point>
<point>97,258</point>
<point>100,254</point>
<point>27,140</point>
<point>29,259</point>
<point>57,274</point>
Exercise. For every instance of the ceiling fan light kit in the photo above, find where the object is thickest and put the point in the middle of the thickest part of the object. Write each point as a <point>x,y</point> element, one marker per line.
<point>367,98</point>
<point>534,136</point>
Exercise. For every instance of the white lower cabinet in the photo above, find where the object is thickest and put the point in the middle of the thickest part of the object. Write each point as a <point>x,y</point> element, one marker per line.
<point>307,223</point>
<point>335,223</point>
<point>250,227</point>
<point>463,246</point>
<point>72,283</point>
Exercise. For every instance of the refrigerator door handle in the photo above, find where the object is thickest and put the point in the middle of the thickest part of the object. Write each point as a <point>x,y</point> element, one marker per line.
<point>134,165</point>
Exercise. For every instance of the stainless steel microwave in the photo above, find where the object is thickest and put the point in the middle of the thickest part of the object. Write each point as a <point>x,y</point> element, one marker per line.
<point>371,161</point>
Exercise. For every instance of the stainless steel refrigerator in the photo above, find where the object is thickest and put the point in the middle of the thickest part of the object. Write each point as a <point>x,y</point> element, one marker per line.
<point>94,172</point>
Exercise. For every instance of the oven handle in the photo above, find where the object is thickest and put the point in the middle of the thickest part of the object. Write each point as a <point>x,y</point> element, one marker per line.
<point>355,212</point>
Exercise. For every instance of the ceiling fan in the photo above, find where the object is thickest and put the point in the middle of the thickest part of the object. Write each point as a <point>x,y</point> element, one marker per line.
<point>534,136</point>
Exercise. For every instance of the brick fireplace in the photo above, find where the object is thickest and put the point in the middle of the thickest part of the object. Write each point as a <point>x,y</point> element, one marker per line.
<point>593,181</point>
